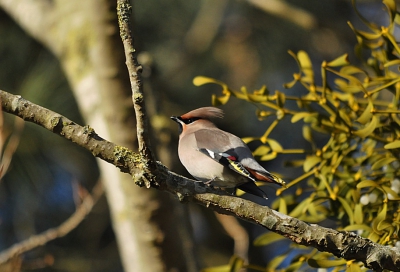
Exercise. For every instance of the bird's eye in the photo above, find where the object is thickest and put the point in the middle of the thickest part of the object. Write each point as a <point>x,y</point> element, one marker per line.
<point>191,120</point>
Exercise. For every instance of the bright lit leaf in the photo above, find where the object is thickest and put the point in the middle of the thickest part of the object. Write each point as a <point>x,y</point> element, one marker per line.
<point>392,145</point>
<point>307,134</point>
<point>353,267</point>
<point>280,99</point>
<point>275,145</point>
<point>306,66</point>
<point>219,100</point>
<point>269,156</point>
<point>300,115</point>
<point>366,116</point>
<point>340,61</point>
<point>275,262</point>
<point>393,194</point>
<point>324,263</point>
<point>379,218</point>
<point>391,6</point>
<point>382,162</point>
<point>201,80</point>
<point>368,129</point>
<point>358,214</point>
<point>221,268</point>
<point>348,209</point>
<point>310,162</point>
<point>357,227</point>
<point>282,206</point>
<point>267,239</point>
<point>250,139</point>
<point>367,183</point>
<point>261,150</point>
<point>257,98</point>
<point>294,267</point>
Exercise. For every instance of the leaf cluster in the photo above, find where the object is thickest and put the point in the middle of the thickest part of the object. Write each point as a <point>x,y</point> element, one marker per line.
<point>351,178</point>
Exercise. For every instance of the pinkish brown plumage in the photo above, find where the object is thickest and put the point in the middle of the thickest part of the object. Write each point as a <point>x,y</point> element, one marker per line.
<point>218,157</point>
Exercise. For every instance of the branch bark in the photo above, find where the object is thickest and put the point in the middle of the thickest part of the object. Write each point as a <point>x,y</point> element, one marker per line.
<point>124,10</point>
<point>342,244</point>
<point>72,222</point>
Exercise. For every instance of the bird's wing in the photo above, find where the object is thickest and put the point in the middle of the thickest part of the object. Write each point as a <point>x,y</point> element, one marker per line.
<point>219,146</point>
<point>216,145</point>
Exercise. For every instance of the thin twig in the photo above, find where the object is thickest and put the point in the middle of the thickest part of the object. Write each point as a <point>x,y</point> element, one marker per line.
<point>72,222</point>
<point>124,10</point>
<point>11,146</point>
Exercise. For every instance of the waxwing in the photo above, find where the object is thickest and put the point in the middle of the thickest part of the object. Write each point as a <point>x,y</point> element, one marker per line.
<point>217,157</point>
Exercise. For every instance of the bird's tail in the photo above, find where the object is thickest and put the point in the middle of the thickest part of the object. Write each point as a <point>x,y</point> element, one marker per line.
<point>267,177</point>
<point>251,188</point>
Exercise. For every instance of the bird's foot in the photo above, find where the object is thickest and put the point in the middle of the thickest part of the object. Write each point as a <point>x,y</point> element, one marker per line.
<point>208,182</point>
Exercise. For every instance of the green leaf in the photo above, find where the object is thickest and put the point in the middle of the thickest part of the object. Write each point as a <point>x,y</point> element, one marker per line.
<point>275,145</point>
<point>250,139</point>
<point>351,70</point>
<point>282,206</point>
<point>366,116</point>
<point>392,62</point>
<point>307,134</point>
<point>275,262</point>
<point>300,115</point>
<point>388,190</point>
<point>300,208</point>
<point>310,162</point>
<point>340,61</point>
<point>358,214</point>
<point>367,183</point>
<point>290,84</point>
<point>391,6</point>
<point>348,209</point>
<point>324,263</point>
<point>280,98</point>
<point>257,98</point>
<point>392,145</point>
<point>368,129</point>
<point>269,156</point>
<point>353,267</point>
<point>294,163</point>
<point>294,266</point>
<point>201,80</point>
<point>221,268</point>
<point>236,264</point>
<point>219,100</point>
<point>379,218</point>
<point>267,239</point>
<point>382,162</point>
<point>306,66</point>
<point>261,150</point>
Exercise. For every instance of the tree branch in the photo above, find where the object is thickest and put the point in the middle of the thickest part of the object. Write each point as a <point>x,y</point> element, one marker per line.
<point>124,10</point>
<point>72,222</point>
<point>342,244</point>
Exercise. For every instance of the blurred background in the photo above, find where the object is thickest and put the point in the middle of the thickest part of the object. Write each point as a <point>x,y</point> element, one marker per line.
<point>242,43</point>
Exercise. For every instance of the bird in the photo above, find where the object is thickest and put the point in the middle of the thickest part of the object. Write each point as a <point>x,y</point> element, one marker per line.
<point>216,157</point>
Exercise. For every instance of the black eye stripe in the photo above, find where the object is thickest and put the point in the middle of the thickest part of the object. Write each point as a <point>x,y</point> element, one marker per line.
<point>190,120</point>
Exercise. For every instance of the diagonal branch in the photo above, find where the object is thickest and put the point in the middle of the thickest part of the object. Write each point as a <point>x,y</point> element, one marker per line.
<point>342,244</point>
<point>72,222</point>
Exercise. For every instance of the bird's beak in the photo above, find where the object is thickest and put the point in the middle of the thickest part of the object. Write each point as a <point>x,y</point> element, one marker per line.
<point>175,118</point>
<point>179,121</point>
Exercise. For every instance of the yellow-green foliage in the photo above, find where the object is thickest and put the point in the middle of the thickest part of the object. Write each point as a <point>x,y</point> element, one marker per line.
<point>354,177</point>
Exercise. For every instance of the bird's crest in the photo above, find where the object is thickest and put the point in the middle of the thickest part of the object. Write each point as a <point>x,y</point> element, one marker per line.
<point>204,113</point>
